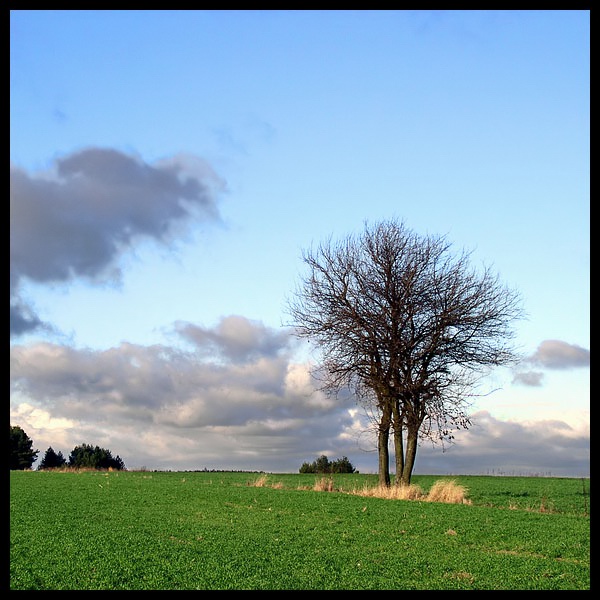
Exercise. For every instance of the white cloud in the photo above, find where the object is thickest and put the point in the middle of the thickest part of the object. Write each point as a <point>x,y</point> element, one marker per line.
<point>39,418</point>
<point>556,354</point>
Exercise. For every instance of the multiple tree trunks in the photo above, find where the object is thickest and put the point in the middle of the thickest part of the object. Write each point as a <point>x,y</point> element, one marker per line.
<point>407,326</point>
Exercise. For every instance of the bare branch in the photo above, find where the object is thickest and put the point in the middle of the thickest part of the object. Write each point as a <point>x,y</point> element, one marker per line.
<point>402,321</point>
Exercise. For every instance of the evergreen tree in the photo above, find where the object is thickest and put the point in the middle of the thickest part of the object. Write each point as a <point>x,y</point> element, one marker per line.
<point>52,460</point>
<point>21,454</point>
<point>322,465</point>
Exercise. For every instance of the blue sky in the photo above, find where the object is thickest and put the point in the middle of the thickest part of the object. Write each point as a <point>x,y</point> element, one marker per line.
<point>169,167</point>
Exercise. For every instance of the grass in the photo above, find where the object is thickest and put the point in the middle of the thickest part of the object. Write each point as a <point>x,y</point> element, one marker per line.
<point>213,531</point>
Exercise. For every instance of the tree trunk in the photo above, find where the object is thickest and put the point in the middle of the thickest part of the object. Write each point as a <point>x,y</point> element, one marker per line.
<point>398,443</point>
<point>411,453</point>
<point>382,446</point>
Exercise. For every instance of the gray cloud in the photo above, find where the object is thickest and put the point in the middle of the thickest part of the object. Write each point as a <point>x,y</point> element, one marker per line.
<point>197,413</point>
<point>553,355</point>
<point>165,408</point>
<point>166,386</point>
<point>493,446</point>
<point>22,318</point>
<point>236,339</point>
<point>78,220</point>
<point>529,378</point>
<point>556,354</point>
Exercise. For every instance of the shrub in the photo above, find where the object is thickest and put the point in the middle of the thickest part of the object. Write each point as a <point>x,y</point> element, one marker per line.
<point>307,468</point>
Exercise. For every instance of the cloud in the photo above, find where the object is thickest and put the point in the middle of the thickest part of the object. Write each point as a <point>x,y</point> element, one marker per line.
<point>22,318</point>
<point>553,355</point>
<point>529,378</point>
<point>197,413</point>
<point>236,339</point>
<point>254,409</point>
<point>95,205</point>
<point>556,354</point>
<point>494,446</point>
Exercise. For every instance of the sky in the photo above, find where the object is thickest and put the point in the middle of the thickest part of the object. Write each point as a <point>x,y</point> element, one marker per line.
<point>168,169</point>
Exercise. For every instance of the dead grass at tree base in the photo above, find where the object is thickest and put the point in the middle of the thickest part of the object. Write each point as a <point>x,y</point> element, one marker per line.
<point>443,490</point>
<point>447,491</point>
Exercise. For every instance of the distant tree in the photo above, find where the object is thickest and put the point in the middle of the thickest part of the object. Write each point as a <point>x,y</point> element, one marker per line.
<point>308,468</point>
<point>342,465</point>
<point>21,454</point>
<point>94,457</point>
<point>324,465</point>
<point>52,460</point>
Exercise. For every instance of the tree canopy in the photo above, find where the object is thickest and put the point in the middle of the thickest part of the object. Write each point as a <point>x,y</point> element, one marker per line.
<point>324,465</point>
<point>94,457</point>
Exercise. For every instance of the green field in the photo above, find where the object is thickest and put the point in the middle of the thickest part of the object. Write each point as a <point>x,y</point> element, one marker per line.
<point>216,531</point>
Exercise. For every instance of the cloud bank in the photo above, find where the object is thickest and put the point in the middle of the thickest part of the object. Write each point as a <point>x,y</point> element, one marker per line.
<point>236,338</point>
<point>92,207</point>
<point>167,408</point>
<point>240,400</point>
<point>497,447</point>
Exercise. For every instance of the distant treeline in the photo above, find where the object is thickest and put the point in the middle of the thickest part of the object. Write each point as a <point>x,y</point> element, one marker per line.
<point>22,455</point>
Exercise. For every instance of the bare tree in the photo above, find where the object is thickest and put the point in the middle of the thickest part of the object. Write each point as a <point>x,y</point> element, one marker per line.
<point>407,326</point>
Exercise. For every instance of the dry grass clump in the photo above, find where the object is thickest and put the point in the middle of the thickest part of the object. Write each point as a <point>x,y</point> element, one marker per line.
<point>263,481</point>
<point>260,482</point>
<point>325,484</point>
<point>447,491</point>
<point>392,492</point>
